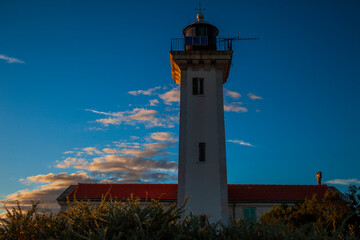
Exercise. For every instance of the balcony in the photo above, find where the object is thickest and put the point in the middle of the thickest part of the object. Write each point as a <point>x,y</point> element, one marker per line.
<point>222,44</point>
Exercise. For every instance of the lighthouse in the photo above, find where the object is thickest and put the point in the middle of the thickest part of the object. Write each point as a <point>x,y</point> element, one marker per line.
<point>200,64</point>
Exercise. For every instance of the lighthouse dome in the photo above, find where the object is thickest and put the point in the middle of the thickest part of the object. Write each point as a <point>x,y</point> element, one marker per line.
<point>200,35</point>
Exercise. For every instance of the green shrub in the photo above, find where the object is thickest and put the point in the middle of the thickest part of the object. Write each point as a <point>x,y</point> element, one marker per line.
<point>129,220</point>
<point>330,216</point>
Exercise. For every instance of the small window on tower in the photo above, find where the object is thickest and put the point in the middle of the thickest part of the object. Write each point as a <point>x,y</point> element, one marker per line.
<point>201,86</point>
<point>201,152</point>
<point>198,86</point>
<point>195,86</point>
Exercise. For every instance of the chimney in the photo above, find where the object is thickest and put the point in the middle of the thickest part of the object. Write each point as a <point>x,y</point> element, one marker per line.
<point>319,177</point>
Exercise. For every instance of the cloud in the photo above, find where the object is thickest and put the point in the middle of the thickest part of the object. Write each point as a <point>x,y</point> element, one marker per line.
<point>132,162</point>
<point>128,161</point>
<point>158,145</point>
<point>143,153</point>
<point>70,161</point>
<point>91,150</point>
<point>128,144</point>
<point>144,92</point>
<point>234,107</point>
<point>118,114</point>
<point>142,114</point>
<point>154,102</point>
<point>47,196</point>
<point>149,177</point>
<point>109,121</point>
<point>150,118</point>
<point>96,129</point>
<point>111,150</point>
<point>171,96</point>
<point>162,136</point>
<point>241,142</point>
<point>254,97</point>
<point>53,186</point>
<point>127,164</point>
<point>60,179</point>
<point>10,59</point>
<point>232,94</point>
<point>344,181</point>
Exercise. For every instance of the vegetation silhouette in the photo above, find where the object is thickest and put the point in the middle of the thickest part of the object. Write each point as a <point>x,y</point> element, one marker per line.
<point>331,218</point>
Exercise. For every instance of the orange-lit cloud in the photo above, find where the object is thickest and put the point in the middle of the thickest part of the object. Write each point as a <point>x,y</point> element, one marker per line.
<point>127,159</point>
<point>154,102</point>
<point>111,150</point>
<point>254,97</point>
<point>232,94</point>
<point>171,96</point>
<point>150,118</point>
<point>52,186</point>
<point>91,150</point>
<point>162,136</point>
<point>234,107</point>
<point>70,162</point>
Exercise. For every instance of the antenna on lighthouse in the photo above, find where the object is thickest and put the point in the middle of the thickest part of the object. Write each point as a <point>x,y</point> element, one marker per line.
<point>228,41</point>
<point>200,15</point>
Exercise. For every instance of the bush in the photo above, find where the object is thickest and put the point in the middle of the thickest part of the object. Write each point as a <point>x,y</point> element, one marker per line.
<point>329,215</point>
<point>129,220</point>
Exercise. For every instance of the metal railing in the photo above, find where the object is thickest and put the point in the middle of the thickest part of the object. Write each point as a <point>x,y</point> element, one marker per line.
<point>222,44</point>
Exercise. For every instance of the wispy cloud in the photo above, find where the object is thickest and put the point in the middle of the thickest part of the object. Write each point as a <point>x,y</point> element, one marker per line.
<point>234,107</point>
<point>130,163</point>
<point>254,97</point>
<point>154,102</point>
<point>52,186</point>
<point>344,181</point>
<point>171,96</point>
<point>125,160</point>
<point>91,150</point>
<point>162,136</point>
<point>111,150</point>
<point>70,162</point>
<point>232,94</point>
<point>10,59</point>
<point>150,118</point>
<point>148,92</point>
<point>241,142</point>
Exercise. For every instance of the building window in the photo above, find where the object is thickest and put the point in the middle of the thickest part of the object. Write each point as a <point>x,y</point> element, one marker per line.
<point>198,86</point>
<point>201,152</point>
<point>249,214</point>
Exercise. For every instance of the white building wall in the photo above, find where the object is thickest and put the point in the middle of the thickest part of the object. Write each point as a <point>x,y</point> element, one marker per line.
<point>202,120</point>
<point>236,210</point>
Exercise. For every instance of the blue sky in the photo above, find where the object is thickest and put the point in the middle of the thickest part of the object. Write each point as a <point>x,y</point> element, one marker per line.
<point>71,109</point>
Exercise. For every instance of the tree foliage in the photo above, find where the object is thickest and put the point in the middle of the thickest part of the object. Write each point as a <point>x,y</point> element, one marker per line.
<point>332,214</point>
<point>353,194</point>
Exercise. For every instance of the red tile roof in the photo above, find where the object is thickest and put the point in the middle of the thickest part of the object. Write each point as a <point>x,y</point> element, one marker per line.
<point>237,192</point>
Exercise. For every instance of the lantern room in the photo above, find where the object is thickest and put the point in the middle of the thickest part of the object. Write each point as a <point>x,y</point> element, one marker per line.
<point>200,35</point>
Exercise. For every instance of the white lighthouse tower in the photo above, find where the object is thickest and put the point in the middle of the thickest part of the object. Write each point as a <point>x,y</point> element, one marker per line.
<point>200,65</point>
